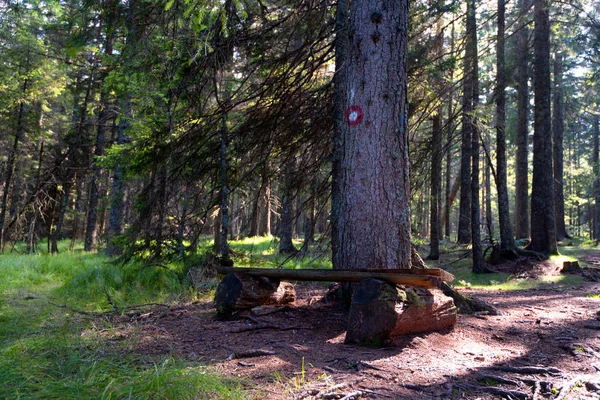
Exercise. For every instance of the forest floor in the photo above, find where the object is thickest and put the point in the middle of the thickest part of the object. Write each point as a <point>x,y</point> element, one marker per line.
<point>298,352</point>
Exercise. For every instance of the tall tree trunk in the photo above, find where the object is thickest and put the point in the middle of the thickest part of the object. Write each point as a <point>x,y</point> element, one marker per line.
<point>449,133</point>
<point>339,107</point>
<point>60,218</point>
<point>373,216</point>
<point>543,222</point>
<point>473,70</point>
<point>558,127</point>
<point>224,247</point>
<point>596,166</point>
<point>31,215</point>
<point>522,162</point>
<point>436,185</point>
<point>78,207</point>
<point>117,193</point>
<point>506,236</point>
<point>10,167</point>
<point>464,218</point>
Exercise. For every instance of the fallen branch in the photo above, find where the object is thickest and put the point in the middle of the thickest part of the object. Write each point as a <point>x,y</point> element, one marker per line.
<point>351,395</point>
<point>536,391</point>
<point>528,370</point>
<point>377,394</point>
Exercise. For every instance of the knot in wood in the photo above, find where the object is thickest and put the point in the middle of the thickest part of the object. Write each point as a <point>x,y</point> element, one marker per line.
<point>376,17</point>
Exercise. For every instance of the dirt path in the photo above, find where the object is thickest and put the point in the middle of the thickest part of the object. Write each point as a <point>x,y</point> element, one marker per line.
<point>557,328</point>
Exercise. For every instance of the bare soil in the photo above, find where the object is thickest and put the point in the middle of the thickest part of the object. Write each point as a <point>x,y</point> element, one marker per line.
<point>305,355</point>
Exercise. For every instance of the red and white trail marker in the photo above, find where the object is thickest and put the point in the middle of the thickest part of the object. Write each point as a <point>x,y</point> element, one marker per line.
<point>354,115</point>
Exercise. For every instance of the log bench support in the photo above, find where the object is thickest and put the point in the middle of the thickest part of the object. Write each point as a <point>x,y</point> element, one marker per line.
<point>381,310</point>
<point>239,291</point>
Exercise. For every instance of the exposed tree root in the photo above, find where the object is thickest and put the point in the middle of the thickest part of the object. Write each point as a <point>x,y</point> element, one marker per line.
<point>504,393</point>
<point>527,370</point>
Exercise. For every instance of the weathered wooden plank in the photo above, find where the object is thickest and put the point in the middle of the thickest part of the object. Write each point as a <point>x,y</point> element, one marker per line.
<point>412,277</point>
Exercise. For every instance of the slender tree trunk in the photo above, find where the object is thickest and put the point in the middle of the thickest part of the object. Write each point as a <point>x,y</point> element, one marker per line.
<point>596,166</point>
<point>31,215</point>
<point>117,193</point>
<point>286,246</point>
<point>506,236</point>
<point>182,221</point>
<point>543,222</point>
<point>373,215</point>
<point>78,207</point>
<point>473,70</point>
<point>60,218</point>
<point>522,162</point>
<point>339,107</point>
<point>558,127</point>
<point>436,186</point>
<point>449,133</point>
<point>489,220</point>
<point>465,214</point>
<point>224,247</point>
<point>10,167</point>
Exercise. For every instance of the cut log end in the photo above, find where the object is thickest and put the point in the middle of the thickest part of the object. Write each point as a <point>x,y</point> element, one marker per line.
<point>240,292</point>
<point>380,310</point>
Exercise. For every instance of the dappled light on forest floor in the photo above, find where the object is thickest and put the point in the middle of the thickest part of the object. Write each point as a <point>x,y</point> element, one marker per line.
<point>304,352</point>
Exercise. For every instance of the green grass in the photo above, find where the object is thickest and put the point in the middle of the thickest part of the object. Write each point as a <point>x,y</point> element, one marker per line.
<point>47,352</point>
<point>262,252</point>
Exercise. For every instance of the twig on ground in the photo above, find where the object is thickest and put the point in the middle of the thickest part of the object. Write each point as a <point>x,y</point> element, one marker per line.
<point>378,394</point>
<point>86,313</point>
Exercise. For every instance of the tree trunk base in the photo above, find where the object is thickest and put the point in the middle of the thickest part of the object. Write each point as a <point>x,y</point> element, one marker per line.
<point>238,291</point>
<point>380,310</point>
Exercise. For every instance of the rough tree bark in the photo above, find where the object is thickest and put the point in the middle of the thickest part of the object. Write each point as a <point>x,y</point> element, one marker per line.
<point>464,218</point>
<point>543,227</point>
<point>521,168</point>
<point>449,133</point>
<point>286,246</point>
<point>558,127</point>
<point>596,166</point>
<point>436,186</point>
<point>372,216</point>
<point>436,163</point>
<point>506,236</point>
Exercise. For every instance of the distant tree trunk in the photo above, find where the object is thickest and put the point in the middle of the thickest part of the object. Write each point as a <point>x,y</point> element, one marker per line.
<point>506,236</point>
<point>78,207</point>
<point>10,167</point>
<point>558,127</point>
<point>436,186</point>
<point>91,231</point>
<point>264,206</point>
<point>473,70</point>
<point>522,163</point>
<point>465,214</point>
<point>223,246</point>
<point>117,193</point>
<point>60,218</point>
<point>436,160</point>
<point>449,133</point>
<point>489,220</point>
<point>309,223</point>
<point>286,246</point>
<point>596,166</point>
<point>182,221</point>
<point>31,215</point>
<point>543,222</point>
<point>373,216</point>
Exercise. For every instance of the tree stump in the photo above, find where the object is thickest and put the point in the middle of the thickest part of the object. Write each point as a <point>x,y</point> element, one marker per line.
<point>570,267</point>
<point>238,291</point>
<point>380,310</point>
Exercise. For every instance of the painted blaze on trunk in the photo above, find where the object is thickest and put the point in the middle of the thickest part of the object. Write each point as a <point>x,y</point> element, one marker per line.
<point>373,216</point>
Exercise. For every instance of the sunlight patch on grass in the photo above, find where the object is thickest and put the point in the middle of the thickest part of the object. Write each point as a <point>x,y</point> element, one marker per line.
<point>52,352</point>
